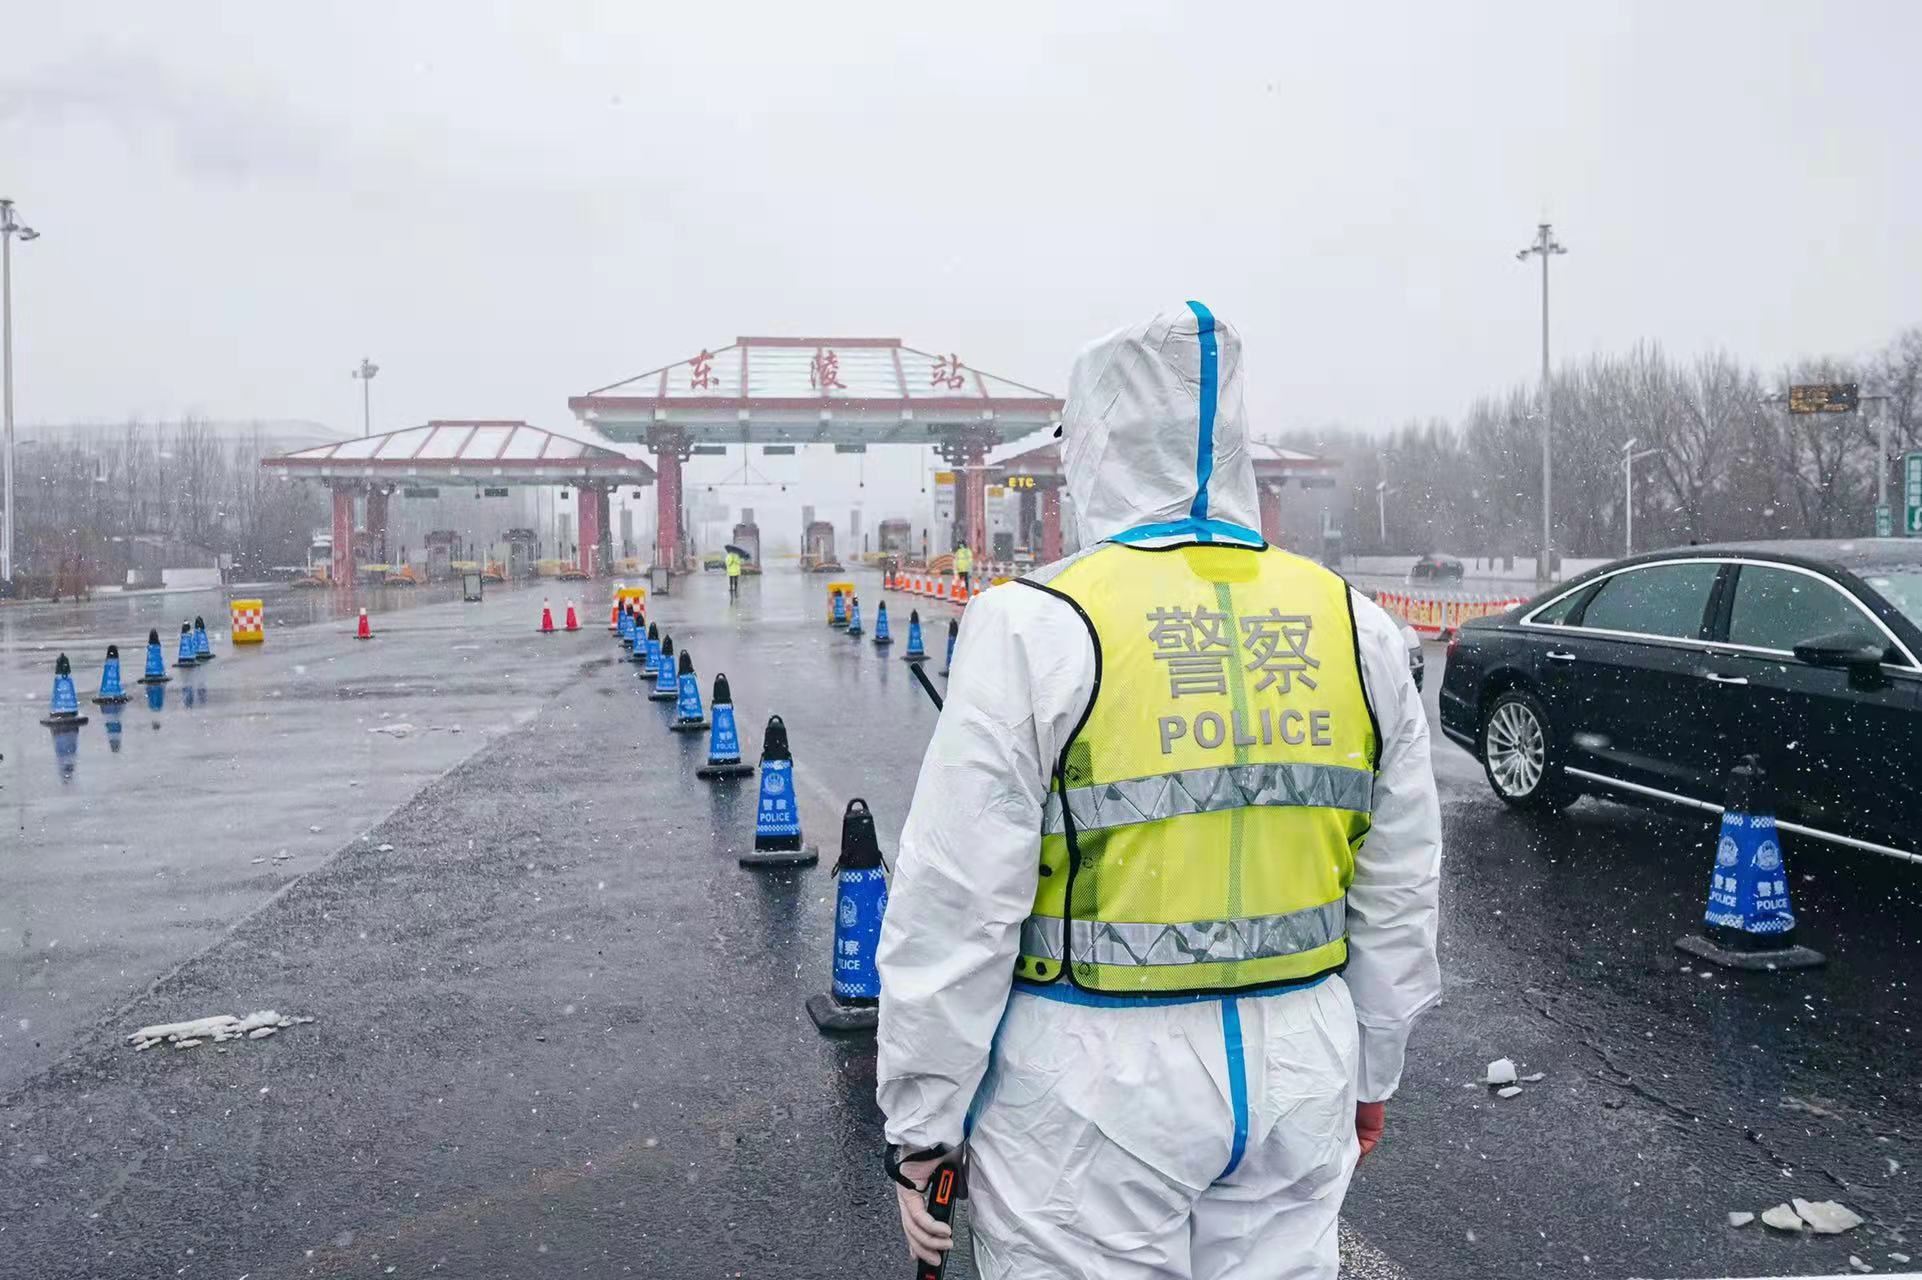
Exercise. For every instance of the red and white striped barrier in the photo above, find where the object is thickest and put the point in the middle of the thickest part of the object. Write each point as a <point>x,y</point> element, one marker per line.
<point>1438,615</point>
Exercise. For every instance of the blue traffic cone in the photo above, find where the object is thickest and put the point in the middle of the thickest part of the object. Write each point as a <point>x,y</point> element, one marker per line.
<point>839,618</point>
<point>954,630</point>
<point>111,694</point>
<point>688,716</point>
<point>777,817</point>
<point>916,650</point>
<point>184,656</point>
<point>651,666</point>
<point>853,1002</point>
<point>1750,924</point>
<point>637,645</point>
<point>203,652</point>
<point>156,661</point>
<point>64,712</point>
<point>666,686</point>
<point>854,616</point>
<point>723,742</point>
<point>882,636</point>
<point>624,626</point>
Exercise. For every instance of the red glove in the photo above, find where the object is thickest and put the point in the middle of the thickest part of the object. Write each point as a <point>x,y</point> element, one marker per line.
<point>1369,1119</point>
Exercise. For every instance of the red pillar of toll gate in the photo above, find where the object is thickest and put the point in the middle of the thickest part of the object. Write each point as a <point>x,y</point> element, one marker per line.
<point>670,451</point>
<point>341,571</point>
<point>593,528</point>
<point>1050,525</point>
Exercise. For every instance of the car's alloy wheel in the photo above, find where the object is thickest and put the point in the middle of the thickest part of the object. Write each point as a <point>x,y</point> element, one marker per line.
<point>1516,749</point>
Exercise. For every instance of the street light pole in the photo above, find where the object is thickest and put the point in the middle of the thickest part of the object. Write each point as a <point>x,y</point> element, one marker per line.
<point>1629,458</point>
<point>1544,247</point>
<point>9,228</point>
<point>366,374</point>
<point>1381,507</point>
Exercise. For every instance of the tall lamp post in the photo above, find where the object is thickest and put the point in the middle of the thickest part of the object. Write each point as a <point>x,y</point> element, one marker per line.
<point>1630,456</point>
<point>1545,247</point>
<point>1381,511</point>
<point>366,374</point>
<point>9,228</point>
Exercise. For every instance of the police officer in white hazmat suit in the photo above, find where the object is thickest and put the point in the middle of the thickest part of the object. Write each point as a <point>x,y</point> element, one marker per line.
<point>1165,905</point>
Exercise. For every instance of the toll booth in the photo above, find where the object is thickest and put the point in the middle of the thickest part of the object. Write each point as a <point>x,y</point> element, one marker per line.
<point>1003,548</point>
<point>523,554</point>
<point>817,552</point>
<point>747,536</point>
<point>896,540</point>
<point>443,548</point>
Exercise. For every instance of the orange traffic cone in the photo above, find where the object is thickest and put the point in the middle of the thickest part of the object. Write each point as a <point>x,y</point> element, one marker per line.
<point>363,630</point>
<point>573,622</point>
<point>547,619</point>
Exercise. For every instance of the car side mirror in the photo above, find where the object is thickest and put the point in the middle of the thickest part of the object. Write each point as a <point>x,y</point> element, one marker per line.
<point>1852,651</point>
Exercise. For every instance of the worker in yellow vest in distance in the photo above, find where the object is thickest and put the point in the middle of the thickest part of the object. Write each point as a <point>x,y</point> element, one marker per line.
<point>733,574</point>
<point>964,568</point>
<point>1165,905</point>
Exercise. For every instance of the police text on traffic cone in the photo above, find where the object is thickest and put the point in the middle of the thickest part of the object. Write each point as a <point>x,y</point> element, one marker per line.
<point>203,651</point>
<point>916,651</point>
<point>111,694</point>
<point>777,816</point>
<point>954,631</point>
<point>1749,922</point>
<point>688,717</point>
<point>723,740</point>
<point>854,616</point>
<point>839,617</point>
<point>184,655</point>
<point>882,636</point>
<point>156,661</point>
<point>667,686</point>
<point>853,1002</point>
<point>63,712</point>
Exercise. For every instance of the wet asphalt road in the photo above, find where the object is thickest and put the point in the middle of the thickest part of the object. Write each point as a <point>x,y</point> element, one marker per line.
<point>561,1032</point>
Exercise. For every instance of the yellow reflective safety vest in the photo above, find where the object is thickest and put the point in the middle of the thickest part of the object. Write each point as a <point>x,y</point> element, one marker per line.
<point>1200,832</point>
<point>963,559</point>
<point>733,565</point>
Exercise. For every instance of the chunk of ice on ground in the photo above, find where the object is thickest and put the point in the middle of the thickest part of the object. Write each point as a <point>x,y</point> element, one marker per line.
<point>1782,1218</point>
<point>1500,1071</point>
<point>1828,1217</point>
<point>1508,1092</point>
<point>1739,1218</point>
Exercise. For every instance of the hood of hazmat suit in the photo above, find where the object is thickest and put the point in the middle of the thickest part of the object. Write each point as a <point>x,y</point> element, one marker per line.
<point>1129,1136</point>
<point>1154,435</point>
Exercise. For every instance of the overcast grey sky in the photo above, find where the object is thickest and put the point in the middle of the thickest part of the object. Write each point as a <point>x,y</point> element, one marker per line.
<point>504,204</point>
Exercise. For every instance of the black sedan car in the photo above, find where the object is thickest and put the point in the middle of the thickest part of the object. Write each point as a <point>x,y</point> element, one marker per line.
<point>1646,680</point>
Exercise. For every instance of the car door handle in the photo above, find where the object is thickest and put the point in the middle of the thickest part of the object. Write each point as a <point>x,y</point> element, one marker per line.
<point>1719,678</point>
<point>1560,655</point>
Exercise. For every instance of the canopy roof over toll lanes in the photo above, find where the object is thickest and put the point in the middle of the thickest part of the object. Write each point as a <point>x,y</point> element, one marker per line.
<point>470,452</point>
<point>1274,464</point>
<point>845,391</point>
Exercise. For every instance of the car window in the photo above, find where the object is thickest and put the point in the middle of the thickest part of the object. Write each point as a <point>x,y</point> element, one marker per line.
<point>1901,588</point>
<point>1779,609</point>
<point>1662,600</point>
<point>1557,614</point>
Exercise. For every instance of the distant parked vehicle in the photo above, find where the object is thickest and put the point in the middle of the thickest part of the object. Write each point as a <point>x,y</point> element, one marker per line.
<point>1647,679</point>
<point>1436,567</point>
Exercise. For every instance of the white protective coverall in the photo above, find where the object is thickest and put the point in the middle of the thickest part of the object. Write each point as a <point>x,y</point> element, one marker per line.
<point>1103,1135</point>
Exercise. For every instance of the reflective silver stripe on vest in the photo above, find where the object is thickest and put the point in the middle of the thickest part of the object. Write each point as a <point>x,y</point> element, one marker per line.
<point>1201,942</point>
<point>1234,786</point>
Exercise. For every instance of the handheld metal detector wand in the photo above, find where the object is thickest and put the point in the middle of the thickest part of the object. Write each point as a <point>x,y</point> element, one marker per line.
<point>926,684</point>
<point>944,1188</point>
